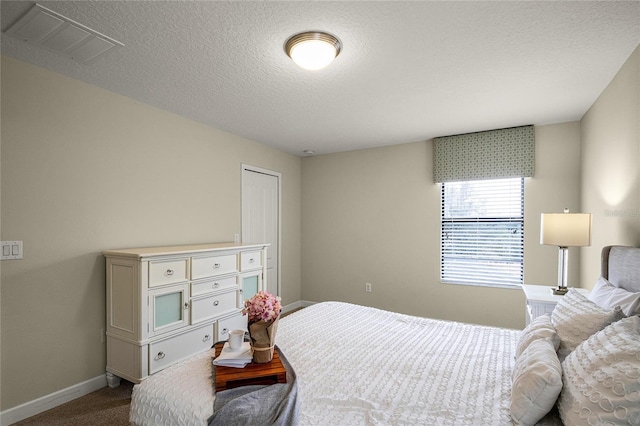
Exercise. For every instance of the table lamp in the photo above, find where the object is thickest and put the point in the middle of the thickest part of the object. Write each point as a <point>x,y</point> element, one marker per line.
<point>565,230</point>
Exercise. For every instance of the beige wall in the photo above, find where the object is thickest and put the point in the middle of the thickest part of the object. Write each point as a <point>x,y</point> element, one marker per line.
<point>85,170</point>
<point>611,165</point>
<point>374,216</point>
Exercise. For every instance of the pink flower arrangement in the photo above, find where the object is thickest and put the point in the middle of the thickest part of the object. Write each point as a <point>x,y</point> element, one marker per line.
<point>263,306</point>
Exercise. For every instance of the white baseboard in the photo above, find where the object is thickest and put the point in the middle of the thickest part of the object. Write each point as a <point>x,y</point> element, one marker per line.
<point>47,402</point>
<point>296,305</point>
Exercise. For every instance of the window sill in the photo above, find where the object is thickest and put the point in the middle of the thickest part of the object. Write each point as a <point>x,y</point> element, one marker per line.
<point>507,286</point>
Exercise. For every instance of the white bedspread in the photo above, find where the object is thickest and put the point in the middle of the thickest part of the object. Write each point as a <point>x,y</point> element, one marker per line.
<point>181,395</point>
<point>363,366</point>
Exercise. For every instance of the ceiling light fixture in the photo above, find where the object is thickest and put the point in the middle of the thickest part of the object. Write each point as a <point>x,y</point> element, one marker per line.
<point>313,50</point>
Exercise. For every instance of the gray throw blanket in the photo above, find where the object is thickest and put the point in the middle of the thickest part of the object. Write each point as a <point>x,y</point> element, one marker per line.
<point>258,405</point>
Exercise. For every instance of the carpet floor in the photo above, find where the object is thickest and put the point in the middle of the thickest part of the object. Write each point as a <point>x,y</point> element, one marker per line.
<point>104,407</point>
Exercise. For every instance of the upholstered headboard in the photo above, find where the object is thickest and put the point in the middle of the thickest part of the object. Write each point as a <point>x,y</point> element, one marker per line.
<point>621,266</point>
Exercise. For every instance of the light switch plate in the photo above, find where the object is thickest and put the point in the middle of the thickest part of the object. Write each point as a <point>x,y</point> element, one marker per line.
<point>11,250</point>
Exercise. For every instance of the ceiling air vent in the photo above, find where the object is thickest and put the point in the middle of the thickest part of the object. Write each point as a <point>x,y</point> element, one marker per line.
<point>44,27</point>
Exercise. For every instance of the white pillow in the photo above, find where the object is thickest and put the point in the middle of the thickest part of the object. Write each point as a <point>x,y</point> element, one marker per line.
<point>537,382</point>
<point>576,318</point>
<point>539,328</point>
<point>609,296</point>
<point>602,378</point>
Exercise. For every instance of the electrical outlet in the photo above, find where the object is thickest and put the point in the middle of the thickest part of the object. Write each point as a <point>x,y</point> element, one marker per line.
<point>367,287</point>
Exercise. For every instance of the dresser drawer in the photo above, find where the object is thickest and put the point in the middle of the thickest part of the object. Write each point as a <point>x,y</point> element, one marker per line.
<point>168,272</point>
<point>204,287</point>
<point>250,260</point>
<point>203,267</point>
<point>212,306</point>
<point>169,351</point>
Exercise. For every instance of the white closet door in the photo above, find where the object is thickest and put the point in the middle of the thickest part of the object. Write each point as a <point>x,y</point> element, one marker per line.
<point>261,217</point>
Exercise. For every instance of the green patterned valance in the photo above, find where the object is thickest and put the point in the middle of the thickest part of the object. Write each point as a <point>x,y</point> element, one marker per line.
<point>495,154</point>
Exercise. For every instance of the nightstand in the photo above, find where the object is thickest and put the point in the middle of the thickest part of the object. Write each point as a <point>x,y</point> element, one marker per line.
<point>540,300</point>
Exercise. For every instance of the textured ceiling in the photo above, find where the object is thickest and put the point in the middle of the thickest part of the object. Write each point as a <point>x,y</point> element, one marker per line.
<point>409,71</point>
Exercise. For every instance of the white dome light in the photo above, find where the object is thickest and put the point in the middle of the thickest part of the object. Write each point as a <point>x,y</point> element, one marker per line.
<point>313,50</point>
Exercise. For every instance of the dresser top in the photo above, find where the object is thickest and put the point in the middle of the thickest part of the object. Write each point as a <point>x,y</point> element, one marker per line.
<point>177,250</point>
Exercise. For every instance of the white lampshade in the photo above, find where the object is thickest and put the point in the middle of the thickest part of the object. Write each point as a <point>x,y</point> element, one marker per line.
<point>313,50</point>
<point>565,229</point>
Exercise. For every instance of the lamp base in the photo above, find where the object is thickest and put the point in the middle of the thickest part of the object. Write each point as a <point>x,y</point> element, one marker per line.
<point>559,291</point>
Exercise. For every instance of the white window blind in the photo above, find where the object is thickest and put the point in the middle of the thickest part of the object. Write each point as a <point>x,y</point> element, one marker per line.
<point>482,239</point>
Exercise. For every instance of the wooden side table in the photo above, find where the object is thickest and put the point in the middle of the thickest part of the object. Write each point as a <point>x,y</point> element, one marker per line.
<point>268,373</point>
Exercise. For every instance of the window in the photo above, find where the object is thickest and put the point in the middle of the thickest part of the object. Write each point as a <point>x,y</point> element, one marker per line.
<point>482,240</point>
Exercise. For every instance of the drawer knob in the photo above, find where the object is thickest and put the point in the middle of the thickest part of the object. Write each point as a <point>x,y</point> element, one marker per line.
<point>160,356</point>
<point>216,285</point>
<point>216,303</point>
<point>216,265</point>
<point>186,306</point>
<point>225,331</point>
<point>252,260</point>
<point>206,338</point>
<point>169,272</point>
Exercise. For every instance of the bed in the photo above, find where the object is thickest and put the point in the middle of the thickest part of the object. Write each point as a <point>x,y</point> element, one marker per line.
<point>358,365</point>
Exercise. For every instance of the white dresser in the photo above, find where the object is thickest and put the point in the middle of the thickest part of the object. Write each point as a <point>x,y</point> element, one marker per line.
<point>165,304</point>
<point>540,299</point>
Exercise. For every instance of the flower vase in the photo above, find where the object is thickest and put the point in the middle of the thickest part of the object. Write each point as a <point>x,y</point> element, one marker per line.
<point>262,335</point>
